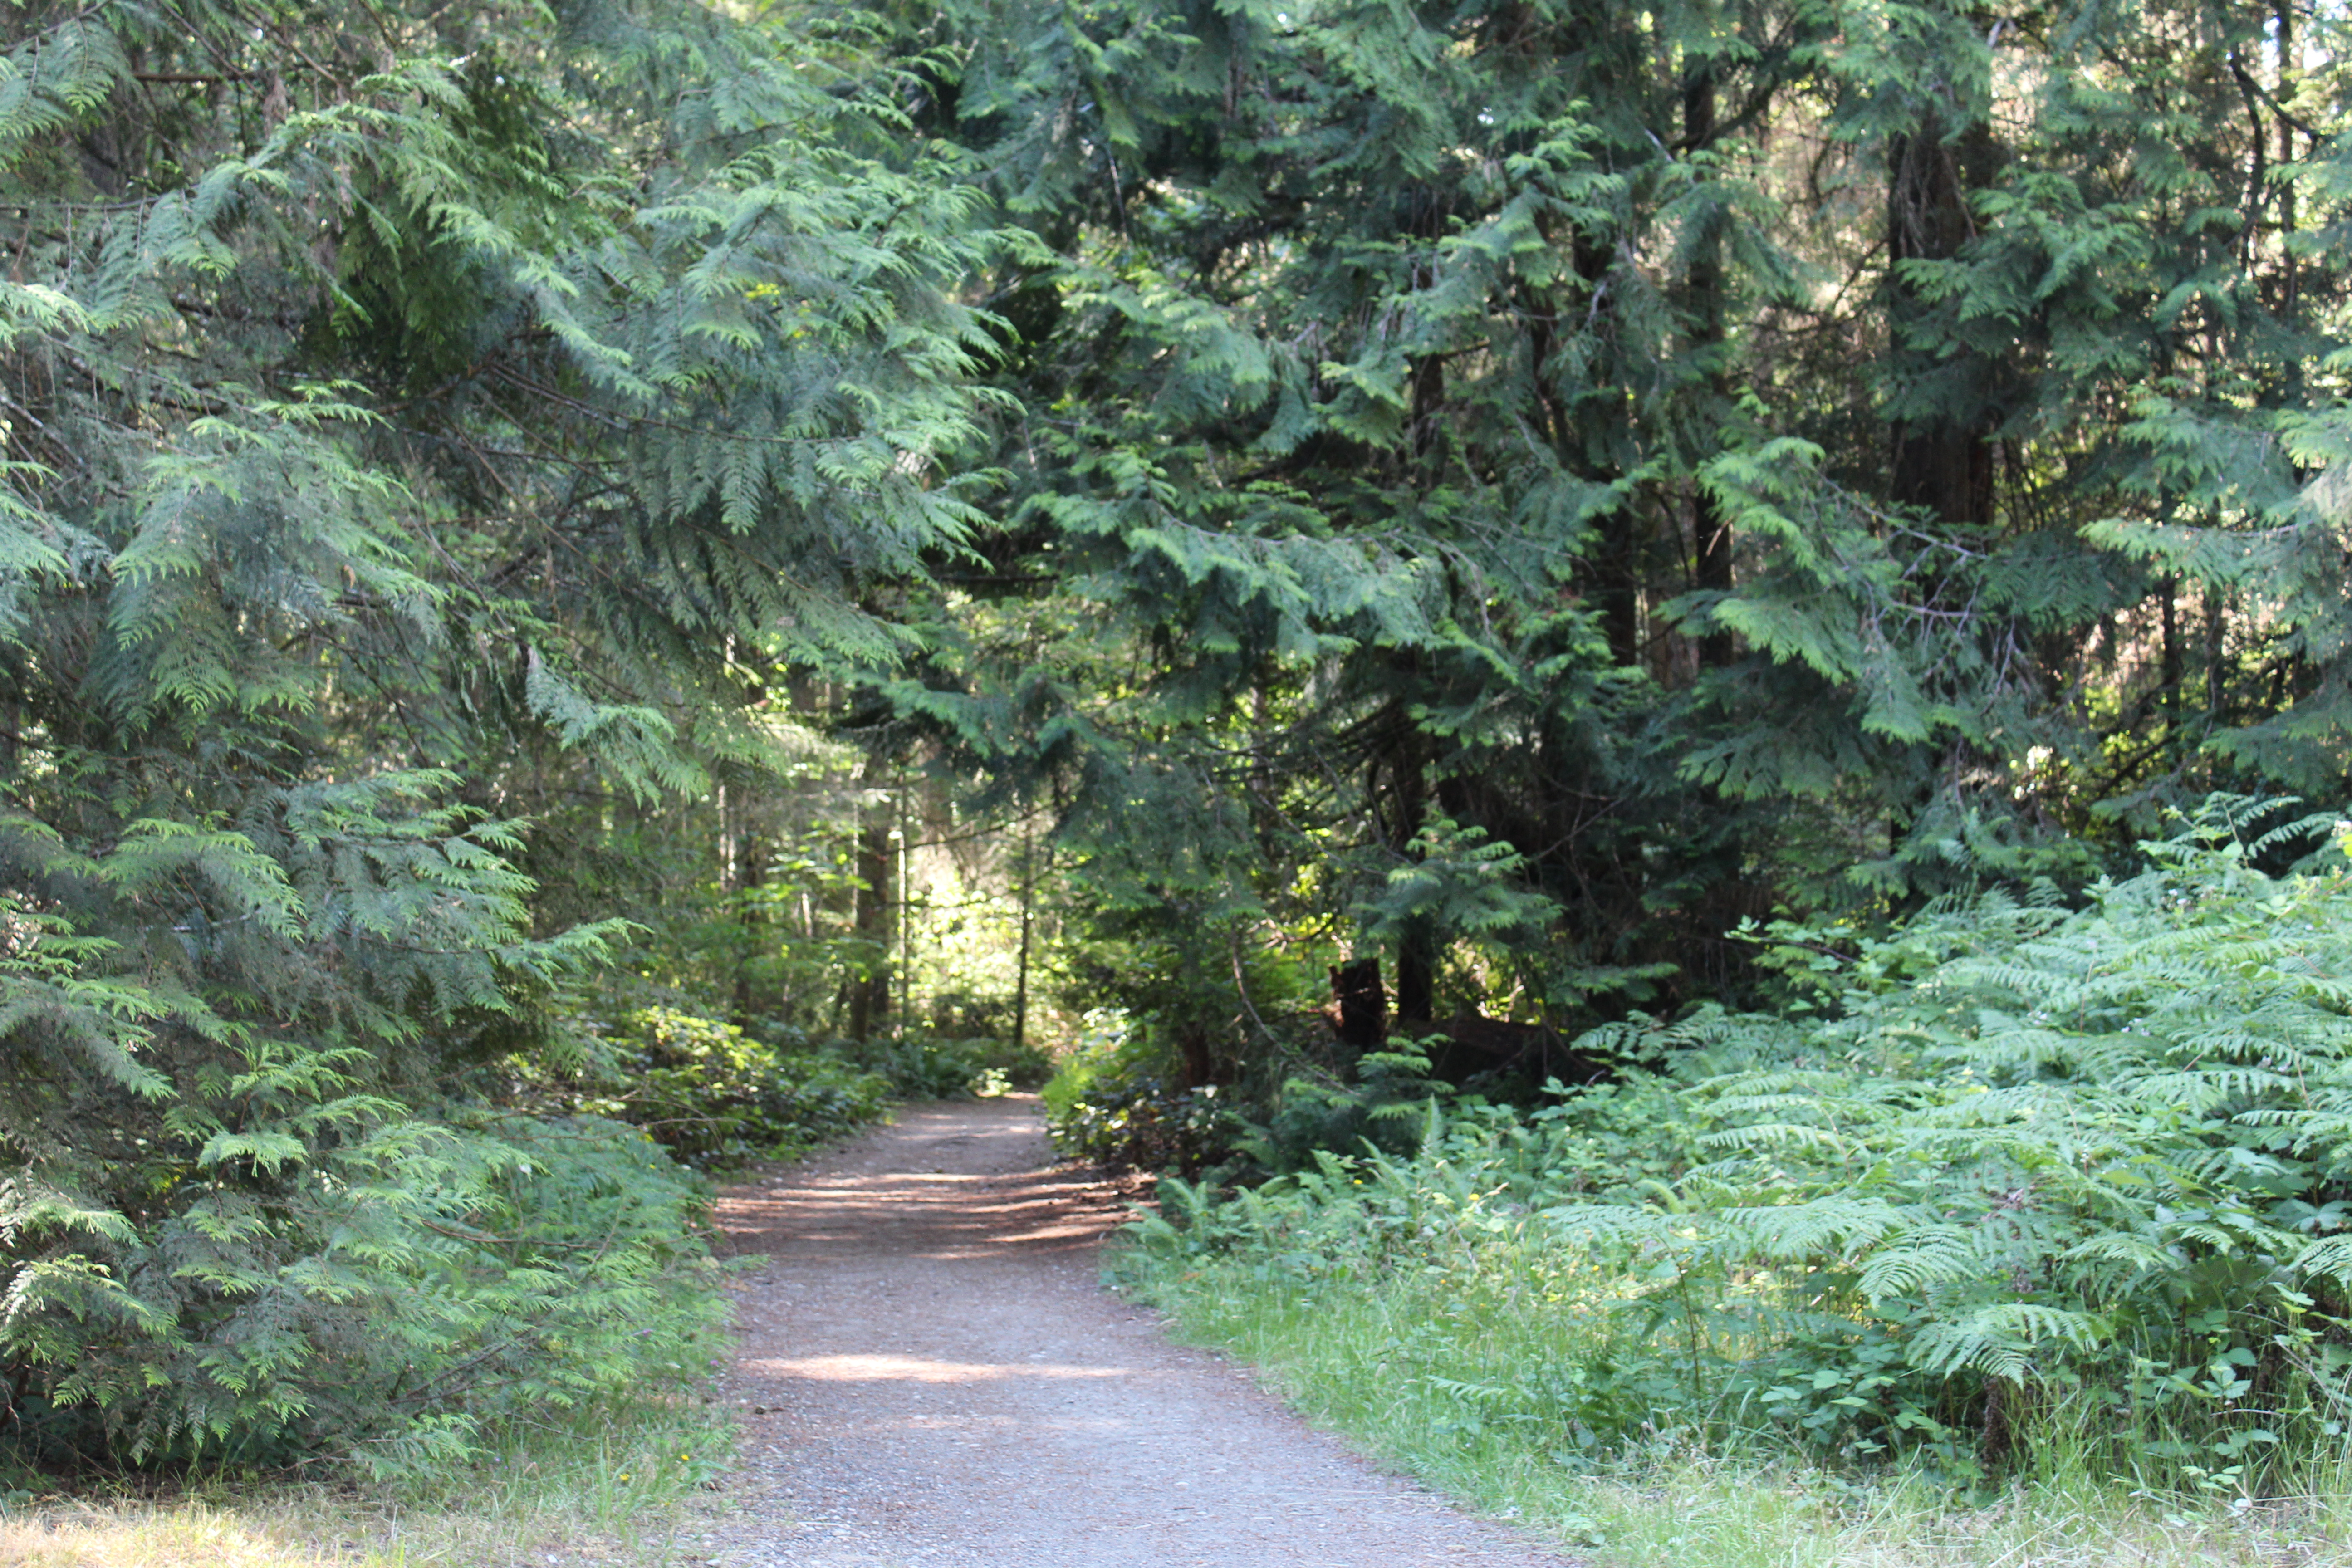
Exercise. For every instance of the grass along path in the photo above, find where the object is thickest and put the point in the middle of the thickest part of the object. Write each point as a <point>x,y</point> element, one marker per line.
<point>1398,1366</point>
<point>611,1487</point>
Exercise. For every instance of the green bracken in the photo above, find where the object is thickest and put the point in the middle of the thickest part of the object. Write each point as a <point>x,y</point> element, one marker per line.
<point>2024,1194</point>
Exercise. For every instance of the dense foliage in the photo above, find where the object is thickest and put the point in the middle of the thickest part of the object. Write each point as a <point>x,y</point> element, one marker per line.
<point>1518,486</point>
<point>2032,1177</point>
<point>713,1096</point>
<point>622,567</point>
<point>424,431</point>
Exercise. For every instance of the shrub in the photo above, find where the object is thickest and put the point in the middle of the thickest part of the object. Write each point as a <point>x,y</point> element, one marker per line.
<point>930,1067</point>
<point>715,1097</point>
<point>381,1303</point>
<point>1109,1103</point>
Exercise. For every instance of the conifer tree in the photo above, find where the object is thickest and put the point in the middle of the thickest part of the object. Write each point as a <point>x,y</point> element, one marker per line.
<point>412,413</point>
<point>1720,457</point>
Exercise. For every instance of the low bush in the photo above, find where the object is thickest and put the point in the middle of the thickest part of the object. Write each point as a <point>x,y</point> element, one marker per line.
<point>712,1095</point>
<point>1110,1103</point>
<point>385,1302</point>
<point>2023,1180</point>
<point>257,1209</point>
<point>932,1067</point>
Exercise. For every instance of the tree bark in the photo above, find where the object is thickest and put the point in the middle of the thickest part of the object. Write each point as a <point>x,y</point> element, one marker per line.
<point>871,912</point>
<point>1703,288</point>
<point>1417,946</point>
<point>2168,621</point>
<point>1021,968</point>
<point>1940,463</point>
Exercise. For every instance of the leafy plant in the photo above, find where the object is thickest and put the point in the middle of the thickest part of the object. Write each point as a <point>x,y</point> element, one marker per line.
<point>712,1095</point>
<point>387,1300</point>
<point>453,418</point>
<point>2028,1175</point>
<point>928,1066</point>
<point>1109,1103</point>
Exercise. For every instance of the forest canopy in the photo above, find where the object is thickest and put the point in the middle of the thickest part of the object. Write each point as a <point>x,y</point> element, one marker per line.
<point>518,522</point>
<point>1544,483</point>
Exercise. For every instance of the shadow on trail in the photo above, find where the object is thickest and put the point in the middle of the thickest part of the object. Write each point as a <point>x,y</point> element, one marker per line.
<point>966,1194</point>
<point>930,1373</point>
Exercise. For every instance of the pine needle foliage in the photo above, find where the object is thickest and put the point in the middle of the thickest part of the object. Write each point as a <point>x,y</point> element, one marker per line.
<point>1735,456</point>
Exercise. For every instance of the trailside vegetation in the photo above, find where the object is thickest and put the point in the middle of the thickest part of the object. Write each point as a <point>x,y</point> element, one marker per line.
<point>2025,1190</point>
<point>588,589</point>
<point>426,429</point>
<point>1516,495</point>
<point>1514,488</point>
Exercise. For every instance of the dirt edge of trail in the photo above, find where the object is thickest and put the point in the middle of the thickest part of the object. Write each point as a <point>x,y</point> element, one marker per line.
<point>928,1372</point>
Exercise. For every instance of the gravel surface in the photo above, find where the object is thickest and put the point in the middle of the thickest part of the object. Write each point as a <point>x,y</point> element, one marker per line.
<point>930,1373</point>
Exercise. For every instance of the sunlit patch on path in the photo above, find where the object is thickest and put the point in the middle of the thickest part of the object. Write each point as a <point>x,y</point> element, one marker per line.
<point>930,1374</point>
<point>905,1369</point>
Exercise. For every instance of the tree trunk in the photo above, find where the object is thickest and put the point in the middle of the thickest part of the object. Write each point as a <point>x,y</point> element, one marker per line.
<point>1941,461</point>
<point>870,988</point>
<point>1358,1009</point>
<point>751,918</point>
<point>1417,947</point>
<point>2168,620</point>
<point>1021,969</point>
<point>2217,627</point>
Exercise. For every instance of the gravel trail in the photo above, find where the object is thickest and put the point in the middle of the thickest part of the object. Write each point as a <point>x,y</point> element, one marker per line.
<point>930,1376</point>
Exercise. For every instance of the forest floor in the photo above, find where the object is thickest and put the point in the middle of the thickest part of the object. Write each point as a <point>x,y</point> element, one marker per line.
<point>930,1373</point>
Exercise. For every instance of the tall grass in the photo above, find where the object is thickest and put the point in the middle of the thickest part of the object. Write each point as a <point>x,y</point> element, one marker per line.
<point>1439,1374</point>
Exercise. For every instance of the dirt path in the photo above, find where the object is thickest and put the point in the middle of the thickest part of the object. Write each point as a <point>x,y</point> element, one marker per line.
<point>931,1375</point>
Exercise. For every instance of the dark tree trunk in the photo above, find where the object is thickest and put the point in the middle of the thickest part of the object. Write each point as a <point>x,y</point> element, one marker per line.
<point>2170,669</point>
<point>1417,946</point>
<point>1941,462</point>
<point>2217,626</point>
<point>1028,916</point>
<point>1358,1009</point>
<point>1428,408</point>
<point>751,872</point>
<point>1194,1060</point>
<point>869,994</point>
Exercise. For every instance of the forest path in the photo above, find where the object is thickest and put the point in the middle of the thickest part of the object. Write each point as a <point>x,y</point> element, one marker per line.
<point>930,1374</point>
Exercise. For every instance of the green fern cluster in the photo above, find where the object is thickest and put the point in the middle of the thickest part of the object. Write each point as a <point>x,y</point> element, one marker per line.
<point>2037,1163</point>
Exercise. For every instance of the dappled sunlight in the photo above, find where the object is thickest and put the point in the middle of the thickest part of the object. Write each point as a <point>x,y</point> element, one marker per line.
<point>853,1209</point>
<point>915,1369</point>
<point>930,1371</point>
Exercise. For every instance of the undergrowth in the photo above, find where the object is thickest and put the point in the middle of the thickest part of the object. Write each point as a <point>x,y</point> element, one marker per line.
<point>2020,1198</point>
<point>716,1097</point>
<point>1110,1103</point>
<point>1428,1398</point>
<point>384,1309</point>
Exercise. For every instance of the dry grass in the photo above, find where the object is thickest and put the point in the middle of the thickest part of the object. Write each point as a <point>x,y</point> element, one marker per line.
<point>322,1530</point>
<point>189,1536</point>
<point>610,1487</point>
